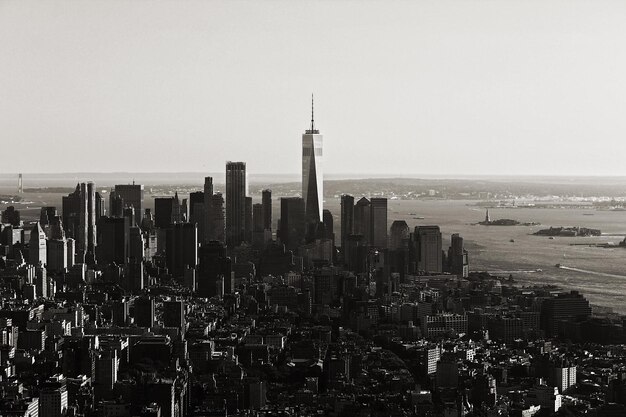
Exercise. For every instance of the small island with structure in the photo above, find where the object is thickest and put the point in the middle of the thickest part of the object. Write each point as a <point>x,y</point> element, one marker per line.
<point>503,222</point>
<point>568,232</point>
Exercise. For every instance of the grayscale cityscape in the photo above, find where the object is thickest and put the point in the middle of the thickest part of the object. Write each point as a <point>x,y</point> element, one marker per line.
<point>252,208</point>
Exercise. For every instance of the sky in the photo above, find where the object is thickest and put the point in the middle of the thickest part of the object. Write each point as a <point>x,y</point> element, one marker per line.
<point>401,87</point>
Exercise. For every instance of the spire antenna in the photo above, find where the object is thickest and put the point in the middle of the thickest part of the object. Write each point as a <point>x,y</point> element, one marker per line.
<point>312,113</point>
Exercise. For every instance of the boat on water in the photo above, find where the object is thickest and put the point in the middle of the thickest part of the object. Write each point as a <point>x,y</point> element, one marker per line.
<point>558,265</point>
<point>588,214</point>
<point>551,238</point>
<point>512,240</point>
<point>419,218</point>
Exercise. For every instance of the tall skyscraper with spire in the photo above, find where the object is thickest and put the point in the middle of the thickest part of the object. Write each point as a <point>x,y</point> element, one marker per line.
<point>312,175</point>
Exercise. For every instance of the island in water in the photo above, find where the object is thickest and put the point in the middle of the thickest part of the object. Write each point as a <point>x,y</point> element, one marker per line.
<point>568,232</point>
<point>504,222</point>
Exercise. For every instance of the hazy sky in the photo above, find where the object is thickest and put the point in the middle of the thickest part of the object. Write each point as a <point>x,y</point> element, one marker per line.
<point>404,87</point>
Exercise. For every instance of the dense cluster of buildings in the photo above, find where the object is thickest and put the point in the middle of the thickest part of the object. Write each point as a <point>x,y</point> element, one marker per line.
<point>199,308</point>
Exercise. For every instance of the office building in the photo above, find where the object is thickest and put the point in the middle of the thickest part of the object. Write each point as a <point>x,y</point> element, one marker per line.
<point>329,228</point>
<point>132,195</point>
<point>215,275</point>
<point>458,262</point>
<point>116,204</point>
<point>292,222</point>
<point>113,240</point>
<point>362,219</point>
<point>79,218</point>
<point>166,211</point>
<point>378,222</point>
<point>46,215</point>
<point>347,218</point>
<point>56,255</point>
<point>266,200</point>
<point>53,400</point>
<point>428,248</point>
<point>398,235</point>
<point>37,249</point>
<point>236,190</point>
<point>218,224</point>
<point>565,306</point>
<point>258,229</point>
<point>181,248</point>
<point>312,175</point>
<point>207,229</point>
<point>248,220</point>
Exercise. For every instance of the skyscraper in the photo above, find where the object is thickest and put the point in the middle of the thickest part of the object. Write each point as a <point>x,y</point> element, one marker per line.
<point>113,240</point>
<point>458,262</point>
<point>79,218</point>
<point>257,225</point>
<point>235,203</point>
<point>312,175</point>
<point>329,228</point>
<point>164,212</point>
<point>248,220</point>
<point>217,222</point>
<point>292,224</point>
<point>429,255</point>
<point>181,248</point>
<point>347,218</point>
<point>378,225</point>
<point>214,269</point>
<point>399,235</point>
<point>267,209</point>
<point>362,221</point>
<point>132,194</point>
<point>92,217</point>
<point>207,229</point>
<point>37,250</point>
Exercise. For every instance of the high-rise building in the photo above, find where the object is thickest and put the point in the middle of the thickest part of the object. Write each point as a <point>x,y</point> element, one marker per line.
<point>258,230</point>
<point>37,250</point>
<point>116,204</point>
<point>565,306</point>
<point>92,217</point>
<point>248,220</point>
<point>347,218</point>
<point>378,219</point>
<point>137,243</point>
<point>218,224</point>
<point>196,212</point>
<point>312,174</point>
<point>167,211</point>
<point>292,222</point>
<point>329,228</point>
<point>79,218</point>
<point>236,190</point>
<point>207,218</point>
<point>362,220</point>
<point>429,246</point>
<point>266,200</point>
<point>398,235</point>
<point>458,262</point>
<point>56,255</point>
<point>181,248</point>
<point>113,240</point>
<point>53,400</point>
<point>46,215</point>
<point>215,275</point>
<point>132,194</point>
